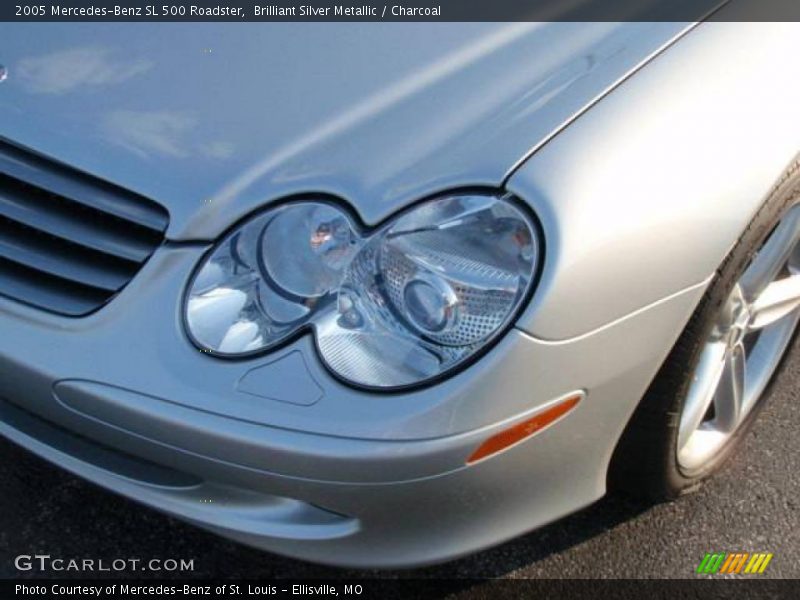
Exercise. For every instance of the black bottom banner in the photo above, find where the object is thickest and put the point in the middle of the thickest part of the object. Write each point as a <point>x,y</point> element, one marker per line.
<point>493,589</point>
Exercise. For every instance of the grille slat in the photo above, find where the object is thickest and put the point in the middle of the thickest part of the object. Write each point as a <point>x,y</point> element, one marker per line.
<point>60,180</point>
<point>53,216</point>
<point>68,241</point>
<point>54,294</point>
<point>45,254</point>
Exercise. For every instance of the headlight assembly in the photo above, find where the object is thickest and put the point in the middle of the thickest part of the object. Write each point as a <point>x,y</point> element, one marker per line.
<point>389,308</point>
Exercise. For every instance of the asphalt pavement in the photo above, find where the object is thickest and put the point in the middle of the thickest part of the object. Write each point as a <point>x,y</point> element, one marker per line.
<point>753,505</point>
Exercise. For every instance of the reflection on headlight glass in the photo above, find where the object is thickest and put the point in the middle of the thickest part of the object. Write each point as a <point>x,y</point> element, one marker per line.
<point>389,308</point>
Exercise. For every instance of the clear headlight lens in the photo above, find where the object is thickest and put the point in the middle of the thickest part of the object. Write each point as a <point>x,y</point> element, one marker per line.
<point>389,308</point>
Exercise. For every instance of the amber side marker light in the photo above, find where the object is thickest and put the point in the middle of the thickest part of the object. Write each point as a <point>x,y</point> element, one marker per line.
<point>525,429</point>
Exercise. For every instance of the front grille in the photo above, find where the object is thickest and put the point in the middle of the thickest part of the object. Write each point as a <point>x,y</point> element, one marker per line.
<point>69,242</point>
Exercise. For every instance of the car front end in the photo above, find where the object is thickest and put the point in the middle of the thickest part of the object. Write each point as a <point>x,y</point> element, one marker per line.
<point>279,442</point>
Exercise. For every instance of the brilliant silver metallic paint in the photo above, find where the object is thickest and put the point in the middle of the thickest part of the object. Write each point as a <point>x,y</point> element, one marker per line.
<point>216,120</point>
<point>630,195</point>
<point>646,193</point>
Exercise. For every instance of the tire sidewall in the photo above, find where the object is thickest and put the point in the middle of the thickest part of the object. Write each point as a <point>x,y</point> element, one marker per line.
<point>645,461</point>
<point>780,201</point>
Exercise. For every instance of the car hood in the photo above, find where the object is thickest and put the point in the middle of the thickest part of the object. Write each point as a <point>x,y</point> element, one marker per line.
<point>215,120</point>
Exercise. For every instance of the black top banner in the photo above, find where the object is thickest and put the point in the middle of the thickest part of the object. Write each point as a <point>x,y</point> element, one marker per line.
<point>402,10</point>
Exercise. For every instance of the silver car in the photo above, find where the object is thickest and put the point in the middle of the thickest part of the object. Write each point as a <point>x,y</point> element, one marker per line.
<point>385,294</point>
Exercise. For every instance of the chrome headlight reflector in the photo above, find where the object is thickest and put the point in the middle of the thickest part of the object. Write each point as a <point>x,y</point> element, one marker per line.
<point>389,308</point>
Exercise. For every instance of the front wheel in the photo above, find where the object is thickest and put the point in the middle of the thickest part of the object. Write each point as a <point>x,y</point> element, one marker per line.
<point>716,378</point>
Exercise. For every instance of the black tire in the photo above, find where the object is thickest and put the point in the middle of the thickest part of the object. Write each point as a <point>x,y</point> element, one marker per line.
<point>645,460</point>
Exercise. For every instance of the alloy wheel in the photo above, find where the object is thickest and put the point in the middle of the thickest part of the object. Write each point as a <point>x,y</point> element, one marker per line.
<point>744,348</point>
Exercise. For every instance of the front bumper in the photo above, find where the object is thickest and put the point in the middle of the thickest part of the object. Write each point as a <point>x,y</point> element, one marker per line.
<point>329,474</point>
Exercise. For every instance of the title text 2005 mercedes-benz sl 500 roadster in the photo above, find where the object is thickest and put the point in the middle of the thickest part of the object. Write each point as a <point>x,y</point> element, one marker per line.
<point>385,294</point>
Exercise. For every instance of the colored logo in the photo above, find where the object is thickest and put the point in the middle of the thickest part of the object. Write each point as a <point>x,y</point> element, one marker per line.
<point>734,562</point>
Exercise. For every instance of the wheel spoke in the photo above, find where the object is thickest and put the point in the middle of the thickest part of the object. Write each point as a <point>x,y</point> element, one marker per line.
<point>777,300</point>
<point>735,311</point>
<point>729,400</point>
<point>707,377</point>
<point>771,258</point>
<point>752,330</point>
